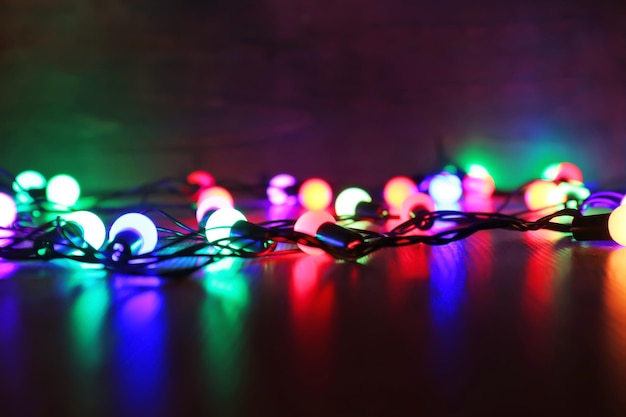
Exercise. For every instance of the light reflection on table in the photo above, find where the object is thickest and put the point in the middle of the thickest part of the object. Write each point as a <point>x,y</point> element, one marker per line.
<point>473,325</point>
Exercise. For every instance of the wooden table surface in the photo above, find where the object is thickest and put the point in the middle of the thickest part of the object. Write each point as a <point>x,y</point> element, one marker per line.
<point>503,323</point>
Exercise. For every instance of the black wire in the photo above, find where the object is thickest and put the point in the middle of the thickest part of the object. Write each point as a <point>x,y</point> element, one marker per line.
<point>184,250</point>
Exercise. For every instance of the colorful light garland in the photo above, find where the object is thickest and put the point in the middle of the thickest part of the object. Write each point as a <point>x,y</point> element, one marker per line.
<point>136,245</point>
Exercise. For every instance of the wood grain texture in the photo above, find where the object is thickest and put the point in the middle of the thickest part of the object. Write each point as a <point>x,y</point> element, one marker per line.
<point>246,87</point>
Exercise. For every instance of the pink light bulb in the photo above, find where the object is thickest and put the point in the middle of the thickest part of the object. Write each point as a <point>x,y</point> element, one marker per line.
<point>216,191</point>
<point>8,210</point>
<point>211,203</point>
<point>308,224</point>
<point>568,171</point>
<point>201,178</point>
<point>199,181</point>
<point>276,191</point>
<point>416,202</point>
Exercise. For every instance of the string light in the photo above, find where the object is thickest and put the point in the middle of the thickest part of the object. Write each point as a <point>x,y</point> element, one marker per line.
<point>563,171</point>
<point>356,203</point>
<point>216,191</point>
<point>541,194</point>
<point>136,245</point>
<point>219,224</point>
<point>230,227</point>
<point>29,179</point>
<point>397,190</point>
<point>201,180</point>
<point>322,226</point>
<point>279,191</point>
<point>92,227</point>
<point>617,225</point>
<point>315,194</point>
<point>308,224</point>
<point>415,204</point>
<point>445,188</point>
<point>65,238</point>
<point>132,234</point>
<point>210,204</point>
<point>8,210</point>
<point>26,181</point>
<point>478,183</point>
<point>606,226</point>
<point>347,201</point>
<point>63,190</point>
<point>573,191</point>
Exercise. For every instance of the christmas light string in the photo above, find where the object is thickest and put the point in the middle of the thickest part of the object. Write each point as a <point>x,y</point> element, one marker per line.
<point>180,249</point>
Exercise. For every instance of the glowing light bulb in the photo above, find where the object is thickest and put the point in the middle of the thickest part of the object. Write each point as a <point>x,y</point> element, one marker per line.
<point>211,203</point>
<point>25,181</point>
<point>569,172</point>
<point>445,188</point>
<point>623,202</point>
<point>28,180</point>
<point>308,224</point>
<point>201,178</point>
<point>574,190</point>
<point>216,191</point>
<point>94,231</point>
<point>137,231</point>
<point>617,225</point>
<point>277,192</point>
<point>63,190</point>
<point>348,199</point>
<point>229,223</point>
<point>315,194</point>
<point>551,172</point>
<point>478,182</point>
<point>543,194</point>
<point>219,224</point>
<point>477,171</point>
<point>8,210</point>
<point>397,190</point>
<point>564,171</point>
<point>416,203</point>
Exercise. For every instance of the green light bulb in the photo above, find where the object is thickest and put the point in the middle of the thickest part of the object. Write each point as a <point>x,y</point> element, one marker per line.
<point>348,199</point>
<point>94,231</point>
<point>28,180</point>
<point>551,172</point>
<point>477,171</point>
<point>219,224</point>
<point>63,189</point>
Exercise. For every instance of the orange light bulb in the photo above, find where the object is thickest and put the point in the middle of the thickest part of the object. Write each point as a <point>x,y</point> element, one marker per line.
<point>397,190</point>
<point>543,194</point>
<point>315,194</point>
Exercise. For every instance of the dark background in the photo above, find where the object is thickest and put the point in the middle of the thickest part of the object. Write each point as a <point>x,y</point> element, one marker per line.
<point>119,92</point>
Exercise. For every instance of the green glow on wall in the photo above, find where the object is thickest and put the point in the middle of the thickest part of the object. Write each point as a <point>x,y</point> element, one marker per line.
<point>512,163</point>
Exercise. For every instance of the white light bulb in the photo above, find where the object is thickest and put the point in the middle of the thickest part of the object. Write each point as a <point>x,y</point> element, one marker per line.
<point>94,231</point>
<point>140,224</point>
